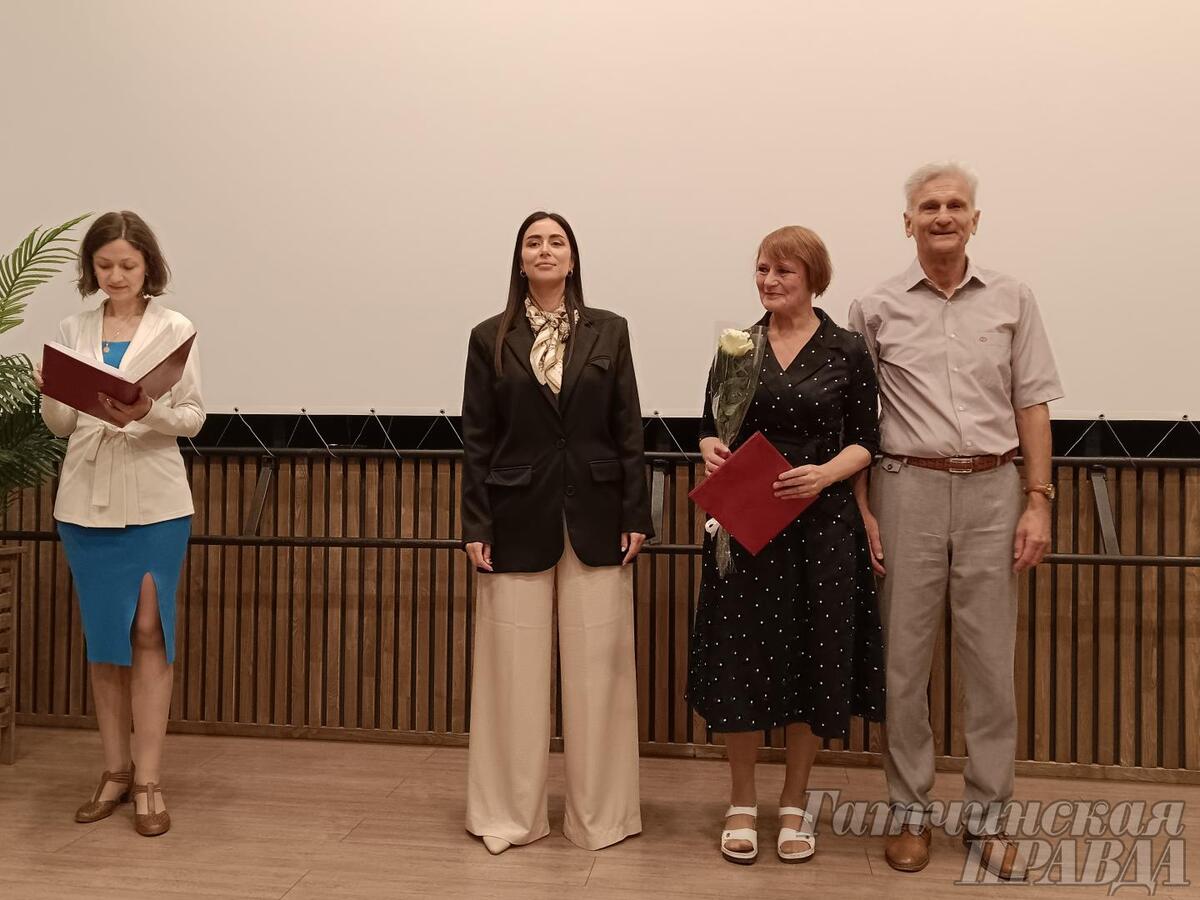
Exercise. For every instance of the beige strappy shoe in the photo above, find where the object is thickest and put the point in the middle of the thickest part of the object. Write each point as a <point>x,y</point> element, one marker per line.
<point>150,824</point>
<point>96,809</point>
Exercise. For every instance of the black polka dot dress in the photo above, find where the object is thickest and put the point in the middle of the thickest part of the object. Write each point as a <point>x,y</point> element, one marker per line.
<point>793,635</point>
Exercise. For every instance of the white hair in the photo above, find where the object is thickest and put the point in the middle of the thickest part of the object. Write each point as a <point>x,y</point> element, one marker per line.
<point>933,170</point>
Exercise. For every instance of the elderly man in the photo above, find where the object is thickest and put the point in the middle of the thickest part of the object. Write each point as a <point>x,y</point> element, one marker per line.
<point>965,373</point>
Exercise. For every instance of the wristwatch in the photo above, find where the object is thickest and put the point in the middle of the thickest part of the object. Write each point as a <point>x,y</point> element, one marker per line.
<point>1046,489</point>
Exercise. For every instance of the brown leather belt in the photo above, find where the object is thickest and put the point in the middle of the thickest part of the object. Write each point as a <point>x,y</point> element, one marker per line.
<point>957,465</point>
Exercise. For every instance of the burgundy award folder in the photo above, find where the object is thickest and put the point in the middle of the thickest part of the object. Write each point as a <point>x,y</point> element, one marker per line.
<point>77,380</point>
<point>740,496</point>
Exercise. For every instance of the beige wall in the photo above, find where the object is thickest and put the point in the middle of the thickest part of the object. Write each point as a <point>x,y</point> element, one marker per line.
<point>348,176</point>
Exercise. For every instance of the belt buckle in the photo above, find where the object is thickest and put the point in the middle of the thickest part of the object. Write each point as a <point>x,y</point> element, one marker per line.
<point>962,465</point>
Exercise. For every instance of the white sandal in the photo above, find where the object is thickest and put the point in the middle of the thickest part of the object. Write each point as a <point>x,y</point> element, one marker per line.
<point>804,833</point>
<point>741,857</point>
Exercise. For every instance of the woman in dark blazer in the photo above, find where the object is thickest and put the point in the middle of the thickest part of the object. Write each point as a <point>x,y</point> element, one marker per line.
<point>554,508</point>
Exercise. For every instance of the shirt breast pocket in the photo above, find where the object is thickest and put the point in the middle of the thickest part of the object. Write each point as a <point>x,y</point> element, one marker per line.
<point>999,342</point>
<point>992,360</point>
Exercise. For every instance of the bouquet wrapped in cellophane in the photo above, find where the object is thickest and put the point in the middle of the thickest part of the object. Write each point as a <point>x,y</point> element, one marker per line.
<point>732,382</point>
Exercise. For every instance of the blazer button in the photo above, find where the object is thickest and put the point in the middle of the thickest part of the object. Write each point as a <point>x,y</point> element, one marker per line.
<point>570,492</point>
<point>560,443</point>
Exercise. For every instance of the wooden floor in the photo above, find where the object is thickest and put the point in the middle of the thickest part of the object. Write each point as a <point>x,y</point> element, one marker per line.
<point>262,818</point>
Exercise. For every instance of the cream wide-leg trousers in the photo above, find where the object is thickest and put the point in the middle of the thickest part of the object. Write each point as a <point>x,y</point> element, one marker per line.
<point>510,704</point>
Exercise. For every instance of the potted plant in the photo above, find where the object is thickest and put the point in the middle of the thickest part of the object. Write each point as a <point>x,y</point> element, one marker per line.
<point>29,453</point>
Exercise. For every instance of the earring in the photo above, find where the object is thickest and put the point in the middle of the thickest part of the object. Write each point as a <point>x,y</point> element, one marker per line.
<point>523,273</point>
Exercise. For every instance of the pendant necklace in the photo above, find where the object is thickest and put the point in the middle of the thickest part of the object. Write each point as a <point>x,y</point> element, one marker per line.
<point>115,338</point>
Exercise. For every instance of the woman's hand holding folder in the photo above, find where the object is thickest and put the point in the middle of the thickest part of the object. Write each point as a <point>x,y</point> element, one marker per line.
<point>124,413</point>
<point>802,481</point>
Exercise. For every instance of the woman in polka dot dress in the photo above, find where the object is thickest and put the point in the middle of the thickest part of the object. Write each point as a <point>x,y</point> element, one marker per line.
<point>792,637</point>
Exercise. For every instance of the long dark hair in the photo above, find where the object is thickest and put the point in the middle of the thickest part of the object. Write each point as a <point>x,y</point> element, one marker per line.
<point>518,286</point>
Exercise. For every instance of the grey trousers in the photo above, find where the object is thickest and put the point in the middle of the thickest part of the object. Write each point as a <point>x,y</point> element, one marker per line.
<point>949,537</point>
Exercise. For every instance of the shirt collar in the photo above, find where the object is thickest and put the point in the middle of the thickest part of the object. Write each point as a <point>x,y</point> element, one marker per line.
<point>915,275</point>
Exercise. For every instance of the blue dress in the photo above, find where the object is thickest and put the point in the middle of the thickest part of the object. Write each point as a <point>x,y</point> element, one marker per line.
<point>108,564</point>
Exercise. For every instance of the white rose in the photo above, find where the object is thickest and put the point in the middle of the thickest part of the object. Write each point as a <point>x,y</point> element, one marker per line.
<point>735,343</point>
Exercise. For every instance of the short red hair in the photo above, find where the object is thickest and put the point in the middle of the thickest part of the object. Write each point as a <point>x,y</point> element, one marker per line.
<point>802,245</point>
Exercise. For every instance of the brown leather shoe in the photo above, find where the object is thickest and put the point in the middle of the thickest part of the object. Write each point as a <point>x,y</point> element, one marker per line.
<point>96,809</point>
<point>150,824</point>
<point>908,851</point>
<point>998,854</point>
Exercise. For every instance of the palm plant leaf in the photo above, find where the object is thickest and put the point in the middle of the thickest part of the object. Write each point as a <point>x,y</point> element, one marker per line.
<point>29,453</point>
<point>16,381</point>
<point>36,260</point>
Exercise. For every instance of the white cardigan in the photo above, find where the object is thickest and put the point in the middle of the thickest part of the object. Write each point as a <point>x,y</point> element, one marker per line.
<point>113,477</point>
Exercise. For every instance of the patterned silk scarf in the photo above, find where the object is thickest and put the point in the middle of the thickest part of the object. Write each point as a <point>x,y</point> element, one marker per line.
<point>551,331</point>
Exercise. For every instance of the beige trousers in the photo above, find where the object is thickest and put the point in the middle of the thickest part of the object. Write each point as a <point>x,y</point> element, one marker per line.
<point>949,537</point>
<point>510,704</point>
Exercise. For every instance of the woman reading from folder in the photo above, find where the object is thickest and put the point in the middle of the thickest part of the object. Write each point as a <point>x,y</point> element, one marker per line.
<point>554,509</point>
<point>124,512</point>
<point>791,638</point>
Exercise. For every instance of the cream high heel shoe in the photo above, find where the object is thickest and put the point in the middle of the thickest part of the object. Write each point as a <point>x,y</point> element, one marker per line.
<point>495,845</point>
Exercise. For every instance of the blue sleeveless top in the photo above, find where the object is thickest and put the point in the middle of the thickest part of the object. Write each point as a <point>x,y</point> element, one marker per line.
<point>114,352</point>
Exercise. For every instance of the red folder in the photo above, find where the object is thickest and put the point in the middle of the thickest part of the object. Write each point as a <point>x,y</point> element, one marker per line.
<point>76,380</point>
<point>740,495</point>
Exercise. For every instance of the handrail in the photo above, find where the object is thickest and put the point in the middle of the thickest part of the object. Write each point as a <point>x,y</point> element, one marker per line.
<point>1116,462</point>
<point>379,543</point>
